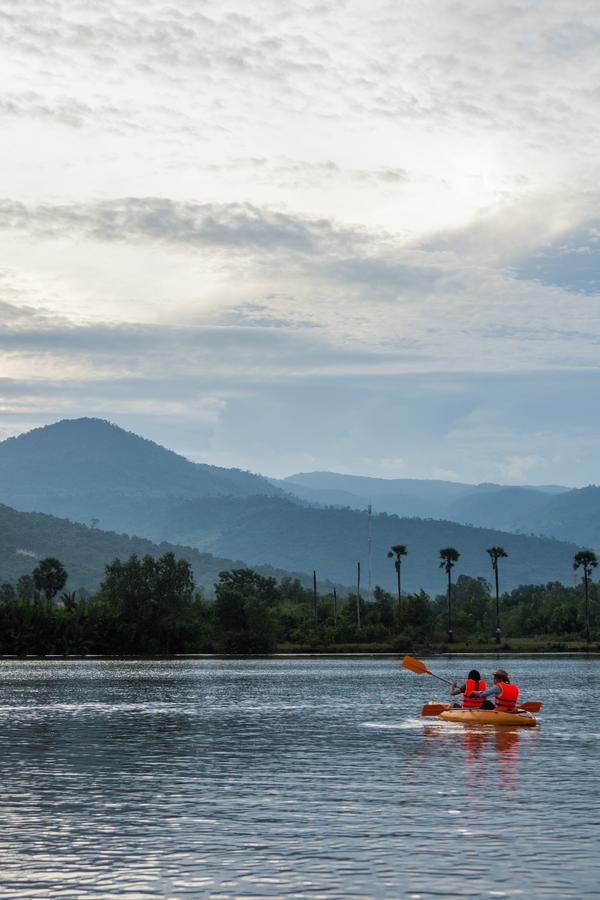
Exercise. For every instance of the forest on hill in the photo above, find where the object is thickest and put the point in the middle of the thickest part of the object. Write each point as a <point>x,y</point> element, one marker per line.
<point>27,537</point>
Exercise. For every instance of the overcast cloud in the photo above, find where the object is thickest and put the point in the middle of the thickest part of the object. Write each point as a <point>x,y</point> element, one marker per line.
<point>356,236</point>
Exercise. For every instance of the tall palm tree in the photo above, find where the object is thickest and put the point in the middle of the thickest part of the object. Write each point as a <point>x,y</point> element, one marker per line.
<point>587,560</point>
<point>398,550</point>
<point>497,553</point>
<point>449,556</point>
<point>49,576</point>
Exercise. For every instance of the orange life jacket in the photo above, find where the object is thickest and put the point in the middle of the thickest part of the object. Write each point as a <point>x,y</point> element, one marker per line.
<point>471,685</point>
<point>508,698</point>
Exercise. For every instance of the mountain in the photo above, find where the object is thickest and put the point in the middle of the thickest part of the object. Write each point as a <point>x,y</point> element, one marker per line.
<point>551,510</point>
<point>88,469</point>
<point>27,537</point>
<point>332,541</point>
<point>402,496</point>
<point>574,515</point>
<point>508,508</point>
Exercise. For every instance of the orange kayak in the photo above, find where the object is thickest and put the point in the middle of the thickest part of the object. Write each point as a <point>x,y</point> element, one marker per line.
<point>519,719</point>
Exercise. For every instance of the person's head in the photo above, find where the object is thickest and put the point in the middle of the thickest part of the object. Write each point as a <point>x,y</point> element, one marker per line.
<point>501,675</point>
<point>474,674</point>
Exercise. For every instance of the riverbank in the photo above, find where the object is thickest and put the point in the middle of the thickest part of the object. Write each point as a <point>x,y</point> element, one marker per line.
<point>512,645</point>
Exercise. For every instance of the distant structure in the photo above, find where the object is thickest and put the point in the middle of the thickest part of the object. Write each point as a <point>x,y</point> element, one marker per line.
<point>370,511</point>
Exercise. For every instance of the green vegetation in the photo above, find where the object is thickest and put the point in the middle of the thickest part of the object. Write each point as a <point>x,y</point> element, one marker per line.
<point>151,606</point>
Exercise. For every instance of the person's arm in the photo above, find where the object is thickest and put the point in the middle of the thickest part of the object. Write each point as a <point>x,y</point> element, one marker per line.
<point>494,691</point>
<point>454,690</point>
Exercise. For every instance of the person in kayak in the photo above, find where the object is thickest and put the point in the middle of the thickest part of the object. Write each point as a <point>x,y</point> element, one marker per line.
<point>473,683</point>
<point>503,692</point>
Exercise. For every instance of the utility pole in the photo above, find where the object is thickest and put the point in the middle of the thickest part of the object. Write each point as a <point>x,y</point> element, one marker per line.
<point>315,593</point>
<point>370,511</point>
<point>358,595</point>
<point>334,606</point>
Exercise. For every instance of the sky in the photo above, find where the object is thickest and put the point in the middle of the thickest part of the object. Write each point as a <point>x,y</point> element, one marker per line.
<point>352,236</point>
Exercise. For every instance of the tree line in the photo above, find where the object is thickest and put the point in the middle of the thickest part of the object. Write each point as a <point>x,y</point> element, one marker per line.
<point>151,606</point>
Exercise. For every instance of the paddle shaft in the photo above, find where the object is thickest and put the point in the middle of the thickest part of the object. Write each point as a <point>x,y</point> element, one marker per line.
<point>419,668</point>
<point>445,680</point>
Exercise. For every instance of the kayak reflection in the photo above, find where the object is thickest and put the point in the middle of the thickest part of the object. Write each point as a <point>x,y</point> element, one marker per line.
<point>483,745</point>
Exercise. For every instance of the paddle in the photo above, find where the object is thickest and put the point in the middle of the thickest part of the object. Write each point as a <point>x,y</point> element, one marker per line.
<point>419,668</point>
<point>434,709</point>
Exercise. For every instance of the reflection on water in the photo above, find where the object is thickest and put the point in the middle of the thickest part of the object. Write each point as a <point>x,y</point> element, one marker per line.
<point>480,744</point>
<point>290,778</point>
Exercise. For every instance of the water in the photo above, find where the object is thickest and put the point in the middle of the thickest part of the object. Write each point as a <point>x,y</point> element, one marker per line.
<point>290,778</point>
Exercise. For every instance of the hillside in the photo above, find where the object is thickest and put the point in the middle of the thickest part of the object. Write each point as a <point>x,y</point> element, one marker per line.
<point>550,510</point>
<point>27,537</point>
<point>332,541</point>
<point>90,469</point>
<point>576,514</point>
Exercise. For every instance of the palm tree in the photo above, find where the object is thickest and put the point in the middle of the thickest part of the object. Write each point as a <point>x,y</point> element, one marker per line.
<point>398,550</point>
<point>588,560</point>
<point>449,556</point>
<point>49,576</point>
<point>497,553</point>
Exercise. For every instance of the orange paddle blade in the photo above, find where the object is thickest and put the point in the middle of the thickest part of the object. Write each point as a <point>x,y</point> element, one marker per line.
<point>434,709</point>
<point>415,665</point>
<point>531,705</point>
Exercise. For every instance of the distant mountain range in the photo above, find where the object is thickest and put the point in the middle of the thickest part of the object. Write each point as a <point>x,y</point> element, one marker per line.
<point>551,510</point>
<point>98,474</point>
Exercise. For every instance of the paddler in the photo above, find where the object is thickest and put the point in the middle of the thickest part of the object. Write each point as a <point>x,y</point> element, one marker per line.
<point>503,692</point>
<point>473,684</point>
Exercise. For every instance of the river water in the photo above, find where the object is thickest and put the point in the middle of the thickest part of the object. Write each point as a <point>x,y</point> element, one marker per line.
<point>292,778</point>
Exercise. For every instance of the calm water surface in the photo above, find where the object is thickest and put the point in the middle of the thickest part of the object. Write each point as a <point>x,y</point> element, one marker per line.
<point>291,778</point>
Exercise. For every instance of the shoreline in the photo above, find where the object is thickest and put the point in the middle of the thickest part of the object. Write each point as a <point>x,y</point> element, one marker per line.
<point>307,654</point>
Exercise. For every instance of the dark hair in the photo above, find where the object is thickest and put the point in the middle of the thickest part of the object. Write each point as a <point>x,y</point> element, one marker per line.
<point>474,674</point>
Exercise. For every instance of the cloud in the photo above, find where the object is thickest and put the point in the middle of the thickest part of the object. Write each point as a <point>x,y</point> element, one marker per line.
<point>371,233</point>
<point>226,226</point>
<point>375,102</point>
<point>373,299</point>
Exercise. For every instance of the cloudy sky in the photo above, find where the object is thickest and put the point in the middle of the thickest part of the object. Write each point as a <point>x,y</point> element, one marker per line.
<point>358,235</point>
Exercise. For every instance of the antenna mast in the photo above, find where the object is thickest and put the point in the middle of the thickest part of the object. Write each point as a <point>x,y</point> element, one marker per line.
<point>370,510</point>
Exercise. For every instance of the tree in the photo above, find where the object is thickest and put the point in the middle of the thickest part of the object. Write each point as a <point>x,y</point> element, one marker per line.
<point>150,602</point>
<point>398,550</point>
<point>50,576</point>
<point>250,583</point>
<point>587,560</point>
<point>7,591</point>
<point>25,587</point>
<point>495,554</point>
<point>449,557</point>
<point>243,622</point>
<point>418,616</point>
